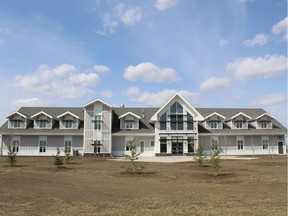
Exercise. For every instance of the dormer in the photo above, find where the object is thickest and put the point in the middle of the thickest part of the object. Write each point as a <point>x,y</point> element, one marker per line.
<point>129,120</point>
<point>68,120</point>
<point>214,121</point>
<point>42,120</point>
<point>264,121</point>
<point>239,121</point>
<point>17,120</point>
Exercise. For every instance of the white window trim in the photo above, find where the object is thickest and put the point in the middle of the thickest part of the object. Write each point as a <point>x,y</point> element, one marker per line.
<point>16,138</point>
<point>68,139</point>
<point>42,138</point>
<point>240,138</point>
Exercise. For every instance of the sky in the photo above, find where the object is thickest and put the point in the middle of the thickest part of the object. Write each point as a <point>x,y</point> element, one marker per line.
<point>224,53</point>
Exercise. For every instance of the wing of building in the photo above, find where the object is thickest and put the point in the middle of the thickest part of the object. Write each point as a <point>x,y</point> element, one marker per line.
<point>176,128</point>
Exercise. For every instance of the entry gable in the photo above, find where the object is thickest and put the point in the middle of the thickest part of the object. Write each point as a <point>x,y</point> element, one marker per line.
<point>96,101</point>
<point>177,98</point>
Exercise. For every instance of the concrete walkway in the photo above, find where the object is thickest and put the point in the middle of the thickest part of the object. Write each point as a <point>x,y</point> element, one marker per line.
<point>175,159</point>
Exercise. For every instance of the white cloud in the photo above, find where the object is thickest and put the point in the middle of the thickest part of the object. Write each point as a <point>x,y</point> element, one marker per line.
<point>269,100</point>
<point>101,68</point>
<point>244,1</point>
<point>259,39</point>
<point>281,28</point>
<point>249,68</point>
<point>128,15</point>
<point>133,90</point>
<point>4,30</point>
<point>107,94</point>
<point>158,99</point>
<point>109,25</point>
<point>62,81</point>
<point>215,84</point>
<point>223,42</point>
<point>29,102</point>
<point>148,72</point>
<point>165,4</point>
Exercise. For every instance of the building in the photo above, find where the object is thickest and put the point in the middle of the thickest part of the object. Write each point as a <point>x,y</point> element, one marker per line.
<point>176,128</point>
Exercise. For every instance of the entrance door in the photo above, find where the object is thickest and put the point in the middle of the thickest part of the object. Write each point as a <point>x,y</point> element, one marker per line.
<point>177,148</point>
<point>280,147</point>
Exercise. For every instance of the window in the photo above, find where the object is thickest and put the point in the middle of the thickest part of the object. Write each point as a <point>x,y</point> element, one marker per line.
<point>128,124</point>
<point>127,146</point>
<point>263,124</point>
<point>214,124</point>
<point>176,108</point>
<point>68,123</point>
<point>190,122</point>
<point>98,122</point>
<point>152,143</point>
<point>240,124</point>
<point>15,146</point>
<point>176,122</point>
<point>190,145</point>
<point>42,145</point>
<point>42,123</point>
<point>214,142</point>
<point>240,144</point>
<point>163,122</point>
<point>16,123</point>
<point>265,144</point>
<point>163,145</point>
<point>68,146</point>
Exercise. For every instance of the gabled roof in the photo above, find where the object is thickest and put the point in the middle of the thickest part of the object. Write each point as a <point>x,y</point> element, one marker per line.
<point>198,116</point>
<point>67,113</point>
<point>215,113</point>
<point>95,101</point>
<point>41,112</point>
<point>129,113</point>
<point>18,113</point>
<point>267,114</point>
<point>240,113</point>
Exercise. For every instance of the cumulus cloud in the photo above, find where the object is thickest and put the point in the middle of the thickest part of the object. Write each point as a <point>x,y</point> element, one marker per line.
<point>281,28</point>
<point>159,98</point>
<point>62,81</point>
<point>122,13</point>
<point>101,68</point>
<point>249,68</point>
<point>148,72</point>
<point>165,4</point>
<point>269,100</point>
<point>215,84</point>
<point>259,39</point>
<point>133,90</point>
<point>29,102</point>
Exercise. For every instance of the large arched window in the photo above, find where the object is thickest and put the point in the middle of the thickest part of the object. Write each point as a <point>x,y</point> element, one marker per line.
<point>163,122</point>
<point>190,122</point>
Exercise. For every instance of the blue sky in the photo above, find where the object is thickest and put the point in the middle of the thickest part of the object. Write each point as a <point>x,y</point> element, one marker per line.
<point>225,53</point>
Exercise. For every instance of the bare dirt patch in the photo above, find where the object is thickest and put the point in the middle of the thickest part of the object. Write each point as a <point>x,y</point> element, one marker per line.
<point>95,186</point>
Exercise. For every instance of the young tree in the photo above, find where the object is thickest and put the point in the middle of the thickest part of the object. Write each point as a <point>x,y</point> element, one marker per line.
<point>11,156</point>
<point>199,155</point>
<point>215,159</point>
<point>67,157</point>
<point>58,160</point>
<point>132,167</point>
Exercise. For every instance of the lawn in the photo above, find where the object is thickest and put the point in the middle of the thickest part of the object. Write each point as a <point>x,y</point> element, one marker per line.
<point>95,186</point>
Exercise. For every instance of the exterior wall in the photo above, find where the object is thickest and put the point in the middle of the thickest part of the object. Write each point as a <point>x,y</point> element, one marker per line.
<point>91,134</point>
<point>29,145</point>
<point>252,144</point>
<point>119,145</point>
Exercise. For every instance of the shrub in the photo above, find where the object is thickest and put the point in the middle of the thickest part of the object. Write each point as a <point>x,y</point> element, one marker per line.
<point>215,159</point>
<point>199,155</point>
<point>67,157</point>
<point>58,160</point>
<point>132,167</point>
<point>11,157</point>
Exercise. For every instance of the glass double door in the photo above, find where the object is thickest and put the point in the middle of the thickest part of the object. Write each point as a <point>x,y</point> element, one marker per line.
<point>177,148</point>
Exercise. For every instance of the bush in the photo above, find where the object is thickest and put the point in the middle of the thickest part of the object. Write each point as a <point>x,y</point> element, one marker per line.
<point>132,167</point>
<point>67,157</point>
<point>58,160</point>
<point>11,157</point>
<point>215,159</point>
<point>199,155</point>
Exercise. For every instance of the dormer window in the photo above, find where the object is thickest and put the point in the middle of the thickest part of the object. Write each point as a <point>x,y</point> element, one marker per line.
<point>240,124</point>
<point>67,123</point>
<point>42,123</point>
<point>16,123</point>
<point>129,121</point>
<point>264,124</point>
<point>128,124</point>
<point>214,124</point>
